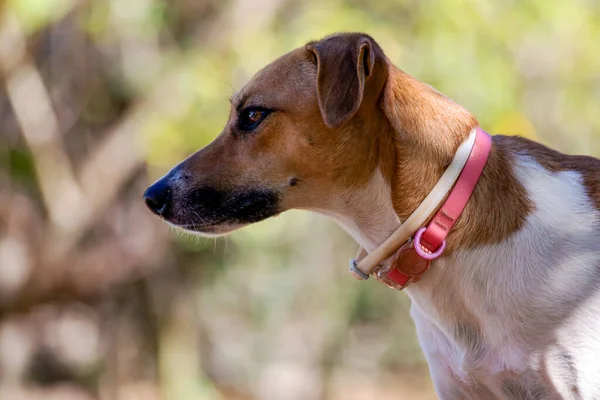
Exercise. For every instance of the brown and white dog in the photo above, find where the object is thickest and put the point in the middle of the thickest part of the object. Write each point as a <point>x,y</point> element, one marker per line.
<point>512,309</point>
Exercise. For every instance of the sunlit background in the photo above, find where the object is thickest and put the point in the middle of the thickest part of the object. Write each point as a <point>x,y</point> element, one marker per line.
<point>98,98</point>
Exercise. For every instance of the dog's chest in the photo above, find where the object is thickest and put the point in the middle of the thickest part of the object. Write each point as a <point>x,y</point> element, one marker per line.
<point>509,370</point>
<point>465,352</point>
<point>497,317</point>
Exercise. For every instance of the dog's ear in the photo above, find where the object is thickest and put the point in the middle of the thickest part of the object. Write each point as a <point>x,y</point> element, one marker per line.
<point>345,64</point>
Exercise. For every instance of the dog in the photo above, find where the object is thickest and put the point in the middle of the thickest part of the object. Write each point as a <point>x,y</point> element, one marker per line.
<point>511,310</point>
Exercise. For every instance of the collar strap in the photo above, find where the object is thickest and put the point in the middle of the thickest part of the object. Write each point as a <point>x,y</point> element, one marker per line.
<point>430,241</point>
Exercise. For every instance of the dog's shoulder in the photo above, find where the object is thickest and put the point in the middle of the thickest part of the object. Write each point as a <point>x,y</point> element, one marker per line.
<point>554,161</point>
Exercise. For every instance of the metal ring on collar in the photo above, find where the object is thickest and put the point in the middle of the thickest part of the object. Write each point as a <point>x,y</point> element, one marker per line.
<point>355,270</point>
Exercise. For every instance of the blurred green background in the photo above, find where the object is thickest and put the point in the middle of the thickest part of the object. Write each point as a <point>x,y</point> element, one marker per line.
<point>98,98</point>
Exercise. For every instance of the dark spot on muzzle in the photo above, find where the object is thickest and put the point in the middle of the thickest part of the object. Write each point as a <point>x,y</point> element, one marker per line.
<point>201,208</point>
<point>210,206</point>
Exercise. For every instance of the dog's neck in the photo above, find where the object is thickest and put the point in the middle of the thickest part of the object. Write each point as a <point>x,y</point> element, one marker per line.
<point>422,132</point>
<point>367,213</point>
<point>428,128</point>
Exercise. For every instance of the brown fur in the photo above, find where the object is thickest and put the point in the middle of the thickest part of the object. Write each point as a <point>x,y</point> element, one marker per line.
<point>430,128</point>
<point>295,143</point>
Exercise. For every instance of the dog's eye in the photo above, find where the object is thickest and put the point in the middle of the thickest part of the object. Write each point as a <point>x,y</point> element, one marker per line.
<point>251,117</point>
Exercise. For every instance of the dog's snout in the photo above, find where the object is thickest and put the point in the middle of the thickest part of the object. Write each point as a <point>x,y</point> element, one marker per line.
<point>158,196</point>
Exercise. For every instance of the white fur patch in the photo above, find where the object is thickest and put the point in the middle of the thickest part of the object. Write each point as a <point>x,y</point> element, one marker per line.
<point>534,292</point>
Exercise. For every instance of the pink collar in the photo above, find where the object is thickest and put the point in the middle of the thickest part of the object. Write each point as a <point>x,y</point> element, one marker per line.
<point>412,260</point>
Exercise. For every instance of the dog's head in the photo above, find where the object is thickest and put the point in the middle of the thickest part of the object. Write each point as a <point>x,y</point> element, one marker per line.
<point>290,142</point>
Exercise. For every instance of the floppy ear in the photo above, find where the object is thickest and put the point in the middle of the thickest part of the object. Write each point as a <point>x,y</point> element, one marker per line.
<point>344,63</point>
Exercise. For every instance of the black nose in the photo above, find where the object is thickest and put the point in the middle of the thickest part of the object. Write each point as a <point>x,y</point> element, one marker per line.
<point>158,196</point>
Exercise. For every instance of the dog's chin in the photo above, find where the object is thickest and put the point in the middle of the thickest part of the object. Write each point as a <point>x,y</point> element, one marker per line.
<point>210,231</point>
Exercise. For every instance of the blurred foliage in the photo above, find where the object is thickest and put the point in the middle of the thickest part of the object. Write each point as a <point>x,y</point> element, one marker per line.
<point>270,312</point>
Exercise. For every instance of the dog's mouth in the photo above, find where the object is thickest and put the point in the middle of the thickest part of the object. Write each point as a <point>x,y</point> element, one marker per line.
<point>211,212</point>
<point>210,230</point>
